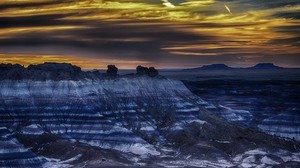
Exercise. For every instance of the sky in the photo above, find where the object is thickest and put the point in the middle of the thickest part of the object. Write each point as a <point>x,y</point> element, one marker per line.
<point>159,33</point>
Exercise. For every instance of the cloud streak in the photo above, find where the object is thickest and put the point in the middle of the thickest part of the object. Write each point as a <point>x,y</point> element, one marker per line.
<point>148,32</point>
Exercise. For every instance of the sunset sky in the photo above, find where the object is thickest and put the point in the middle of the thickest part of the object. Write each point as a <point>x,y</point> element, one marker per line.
<point>160,33</point>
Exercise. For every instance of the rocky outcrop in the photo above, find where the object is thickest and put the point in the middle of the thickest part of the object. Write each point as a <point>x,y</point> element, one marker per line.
<point>10,67</point>
<point>62,71</point>
<point>112,70</point>
<point>55,67</point>
<point>108,113</point>
<point>56,71</point>
<point>270,106</point>
<point>15,154</point>
<point>284,125</point>
<point>45,71</point>
<point>12,71</point>
<point>140,70</point>
<point>152,122</point>
<point>152,72</point>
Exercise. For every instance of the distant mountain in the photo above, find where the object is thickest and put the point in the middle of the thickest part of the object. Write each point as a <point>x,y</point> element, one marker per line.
<point>213,67</point>
<point>265,66</point>
<point>259,66</point>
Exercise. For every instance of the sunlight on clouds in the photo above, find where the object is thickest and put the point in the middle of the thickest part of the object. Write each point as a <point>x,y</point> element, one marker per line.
<point>9,32</point>
<point>193,53</point>
<point>228,9</point>
<point>197,3</point>
<point>21,1</point>
<point>168,4</point>
<point>246,31</point>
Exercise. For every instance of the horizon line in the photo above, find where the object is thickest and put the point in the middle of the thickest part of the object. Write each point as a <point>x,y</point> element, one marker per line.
<point>166,68</point>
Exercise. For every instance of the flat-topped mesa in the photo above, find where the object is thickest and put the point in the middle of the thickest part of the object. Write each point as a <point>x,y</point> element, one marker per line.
<point>55,67</point>
<point>12,71</point>
<point>45,71</point>
<point>8,67</point>
<point>265,66</point>
<point>56,71</point>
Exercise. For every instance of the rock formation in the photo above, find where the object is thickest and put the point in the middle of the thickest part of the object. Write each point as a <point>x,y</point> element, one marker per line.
<point>152,72</point>
<point>140,70</point>
<point>112,70</point>
<point>154,122</point>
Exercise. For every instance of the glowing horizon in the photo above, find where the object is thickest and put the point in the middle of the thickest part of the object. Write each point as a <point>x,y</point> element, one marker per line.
<point>165,34</point>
